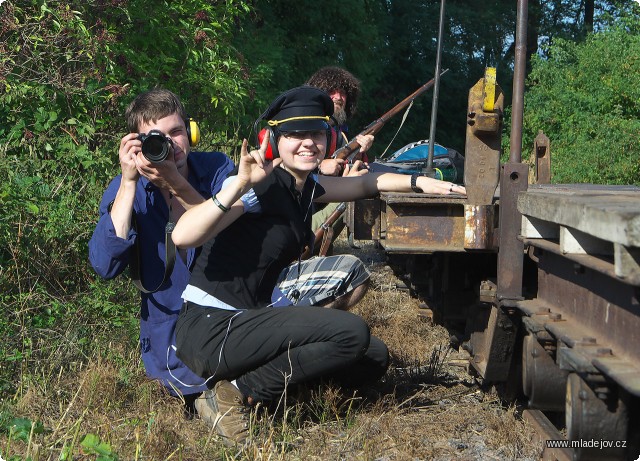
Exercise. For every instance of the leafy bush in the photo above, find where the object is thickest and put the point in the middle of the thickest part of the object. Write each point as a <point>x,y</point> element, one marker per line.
<point>67,71</point>
<point>584,100</point>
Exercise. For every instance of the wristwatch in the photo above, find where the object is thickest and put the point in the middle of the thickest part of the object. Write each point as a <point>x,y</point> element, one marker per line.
<point>414,179</point>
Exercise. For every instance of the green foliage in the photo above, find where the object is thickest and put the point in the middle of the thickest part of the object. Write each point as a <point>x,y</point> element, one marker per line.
<point>561,19</point>
<point>67,71</point>
<point>92,445</point>
<point>283,45</point>
<point>23,428</point>
<point>188,54</point>
<point>584,100</point>
<point>27,431</point>
<point>389,46</point>
<point>68,68</point>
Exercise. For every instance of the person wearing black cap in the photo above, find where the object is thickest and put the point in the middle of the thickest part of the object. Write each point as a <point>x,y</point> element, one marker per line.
<point>229,331</point>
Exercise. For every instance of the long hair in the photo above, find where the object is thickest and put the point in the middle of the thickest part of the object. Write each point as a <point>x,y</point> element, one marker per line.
<point>336,78</point>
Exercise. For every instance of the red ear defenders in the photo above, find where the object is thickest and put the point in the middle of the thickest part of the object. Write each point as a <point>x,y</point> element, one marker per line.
<point>193,131</point>
<point>272,148</point>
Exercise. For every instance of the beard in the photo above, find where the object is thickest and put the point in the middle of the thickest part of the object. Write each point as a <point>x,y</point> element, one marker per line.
<point>340,115</point>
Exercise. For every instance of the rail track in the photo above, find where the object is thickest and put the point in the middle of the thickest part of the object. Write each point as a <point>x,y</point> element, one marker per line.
<point>541,282</point>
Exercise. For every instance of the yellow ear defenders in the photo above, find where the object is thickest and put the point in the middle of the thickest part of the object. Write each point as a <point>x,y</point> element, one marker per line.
<point>193,131</point>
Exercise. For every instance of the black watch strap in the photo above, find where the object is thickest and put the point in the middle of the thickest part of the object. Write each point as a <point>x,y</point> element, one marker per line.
<point>414,179</point>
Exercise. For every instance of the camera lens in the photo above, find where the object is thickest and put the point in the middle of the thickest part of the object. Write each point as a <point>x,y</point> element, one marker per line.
<point>155,146</point>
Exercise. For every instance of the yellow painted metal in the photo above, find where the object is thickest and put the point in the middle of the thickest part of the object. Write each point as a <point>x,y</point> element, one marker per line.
<point>482,146</point>
<point>489,89</point>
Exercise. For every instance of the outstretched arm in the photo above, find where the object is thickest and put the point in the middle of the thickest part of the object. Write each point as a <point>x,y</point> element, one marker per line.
<point>346,189</point>
<point>208,219</point>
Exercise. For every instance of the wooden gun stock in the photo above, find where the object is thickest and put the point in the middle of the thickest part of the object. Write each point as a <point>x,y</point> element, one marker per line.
<point>351,148</point>
<point>324,233</point>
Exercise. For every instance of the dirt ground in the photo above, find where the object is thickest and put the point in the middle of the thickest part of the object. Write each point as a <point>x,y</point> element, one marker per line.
<point>427,407</point>
<point>443,410</point>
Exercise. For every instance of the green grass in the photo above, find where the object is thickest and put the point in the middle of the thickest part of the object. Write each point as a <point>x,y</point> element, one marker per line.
<point>76,389</point>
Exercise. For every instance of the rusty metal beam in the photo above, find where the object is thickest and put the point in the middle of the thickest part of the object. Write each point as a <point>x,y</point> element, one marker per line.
<point>541,159</point>
<point>544,431</point>
<point>482,144</point>
<point>423,225</point>
<point>511,255</point>
<point>363,219</point>
<point>493,343</point>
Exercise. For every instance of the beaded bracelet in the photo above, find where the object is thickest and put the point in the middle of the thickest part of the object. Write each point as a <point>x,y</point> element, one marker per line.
<point>219,205</point>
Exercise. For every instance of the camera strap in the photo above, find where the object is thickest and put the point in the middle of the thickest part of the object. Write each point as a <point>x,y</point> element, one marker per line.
<point>170,258</point>
<point>169,248</point>
<point>170,254</point>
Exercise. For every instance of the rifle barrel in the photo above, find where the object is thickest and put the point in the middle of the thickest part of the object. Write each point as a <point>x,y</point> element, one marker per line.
<point>376,125</point>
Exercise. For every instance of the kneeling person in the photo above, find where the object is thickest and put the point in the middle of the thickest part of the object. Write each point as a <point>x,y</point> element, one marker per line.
<point>230,330</point>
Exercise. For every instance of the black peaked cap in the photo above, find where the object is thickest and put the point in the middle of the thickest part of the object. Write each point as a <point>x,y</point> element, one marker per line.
<point>304,108</point>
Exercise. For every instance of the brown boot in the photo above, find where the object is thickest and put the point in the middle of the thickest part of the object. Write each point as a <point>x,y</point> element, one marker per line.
<point>222,407</point>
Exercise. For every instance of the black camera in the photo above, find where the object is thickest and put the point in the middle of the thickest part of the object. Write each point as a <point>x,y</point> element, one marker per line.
<point>155,145</point>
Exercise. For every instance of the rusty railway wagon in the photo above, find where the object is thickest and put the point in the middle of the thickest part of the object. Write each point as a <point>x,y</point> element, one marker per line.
<point>541,280</point>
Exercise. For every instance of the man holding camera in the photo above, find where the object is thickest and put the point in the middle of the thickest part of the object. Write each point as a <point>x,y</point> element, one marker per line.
<point>134,213</point>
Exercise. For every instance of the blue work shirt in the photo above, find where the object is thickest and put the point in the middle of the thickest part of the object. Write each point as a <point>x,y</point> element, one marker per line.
<point>110,255</point>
